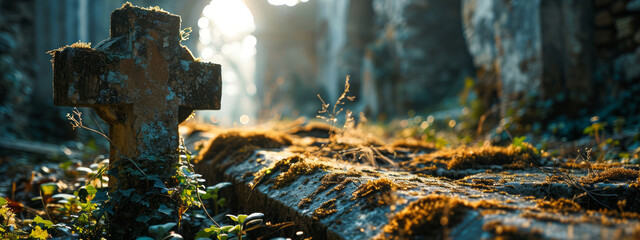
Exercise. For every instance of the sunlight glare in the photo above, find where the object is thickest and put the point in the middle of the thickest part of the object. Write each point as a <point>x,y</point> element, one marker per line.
<point>205,36</point>
<point>226,28</point>
<point>231,17</point>
<point>244,119</point>
<point>207,53</point>
<point>203,22</point>
<point>217,58</point>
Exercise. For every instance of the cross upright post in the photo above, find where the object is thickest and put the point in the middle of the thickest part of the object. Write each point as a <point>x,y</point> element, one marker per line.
<point>143,83</point>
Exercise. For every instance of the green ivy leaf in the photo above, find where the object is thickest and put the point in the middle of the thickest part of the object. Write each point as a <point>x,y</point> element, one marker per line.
<point>206,232</point>
<point>160,185</point>
<point>223,237</point>
<point>233,217</point>
<point>236,229</point>
<point>161,229</point>
<point>241,218</point>
<point>142,219</point>
<point>91,190</point>
<point>226,228</point>
<point>127,192</point>
<point>164,209</point>
<point>48,188</point>
<point>46,223</point>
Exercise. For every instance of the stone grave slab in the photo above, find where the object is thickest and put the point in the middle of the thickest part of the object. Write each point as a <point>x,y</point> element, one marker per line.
<point>339,200</point>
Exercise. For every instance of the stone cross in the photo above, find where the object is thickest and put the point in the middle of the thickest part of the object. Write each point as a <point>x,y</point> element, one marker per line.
<point>141,81</point>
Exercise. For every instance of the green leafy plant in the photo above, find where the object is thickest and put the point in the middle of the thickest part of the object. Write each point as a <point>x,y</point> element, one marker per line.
<point>212,193</point>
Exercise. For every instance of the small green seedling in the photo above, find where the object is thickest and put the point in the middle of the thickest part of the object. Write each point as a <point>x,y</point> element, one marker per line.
<point>244,223</point>
<point>212,193</point>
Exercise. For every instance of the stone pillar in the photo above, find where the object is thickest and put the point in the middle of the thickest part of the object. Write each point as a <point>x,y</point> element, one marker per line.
<point>419,57</point>
<point>534,56</point>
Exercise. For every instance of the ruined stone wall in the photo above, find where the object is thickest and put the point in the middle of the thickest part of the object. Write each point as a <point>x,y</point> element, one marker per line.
<point>534,59</point>
<point>401,55</point>
<point>555,62</point>
<point>429,59</point>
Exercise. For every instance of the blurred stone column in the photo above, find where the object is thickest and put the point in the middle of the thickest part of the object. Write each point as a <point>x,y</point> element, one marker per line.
<point>419,58</point>
<point>533,56</point>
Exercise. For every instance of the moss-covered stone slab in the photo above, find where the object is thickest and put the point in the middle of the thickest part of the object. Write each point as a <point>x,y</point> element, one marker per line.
<point>334,199</point>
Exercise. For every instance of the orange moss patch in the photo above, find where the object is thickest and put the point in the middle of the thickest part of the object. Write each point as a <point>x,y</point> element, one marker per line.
<point>150,8</point>
<point>292,173</point>
<point>78,44</point>
<point>432,216</point>
<point>376,192</point>
<point>510,157</point>
<point>290,169</point>
<point>559,205</point>
<point>611,175</point>
<point>239,145</point>
<point>304,203</point>
<point>327,208</point>
<point>429,217</point>
<point>414,145</point>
